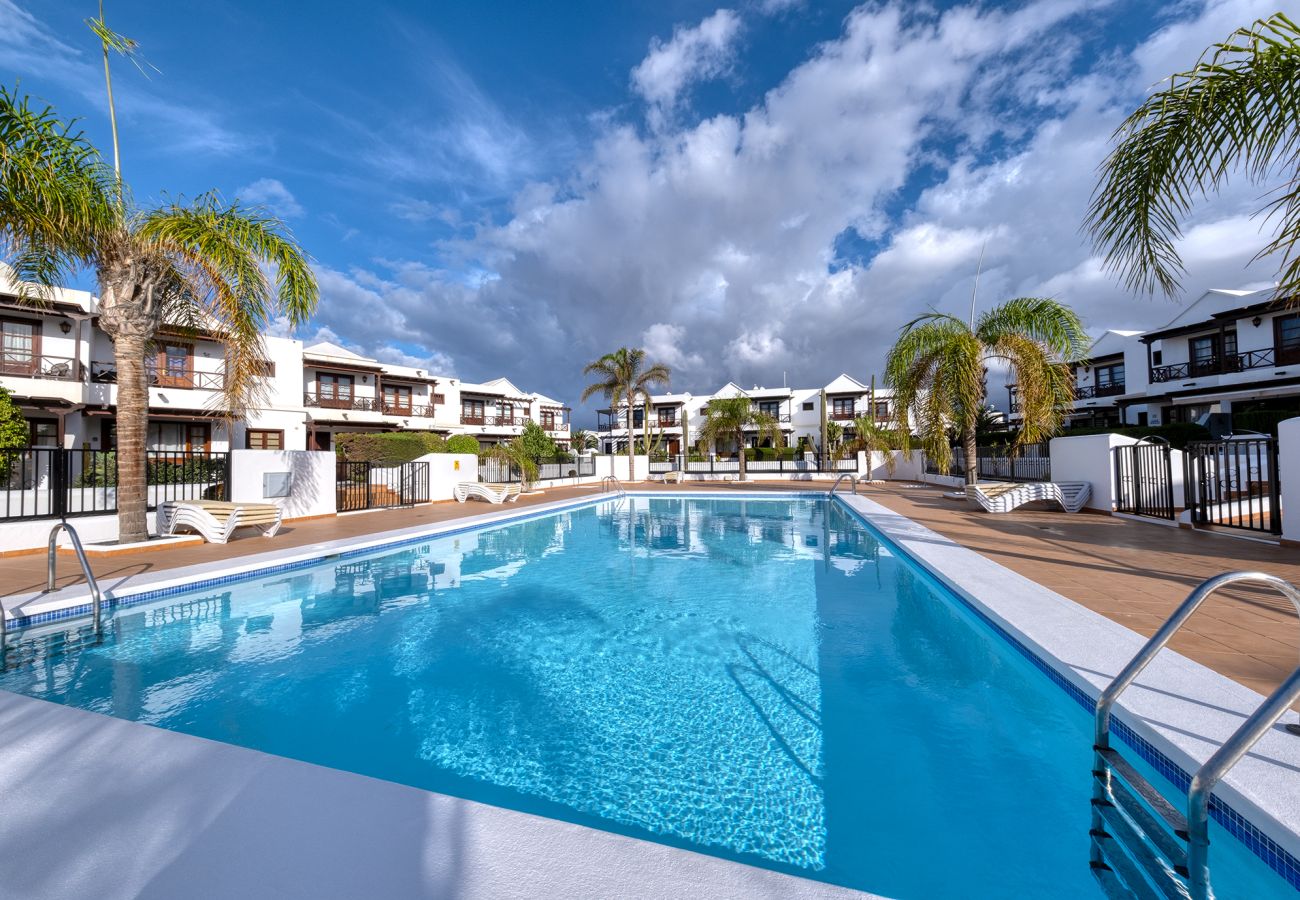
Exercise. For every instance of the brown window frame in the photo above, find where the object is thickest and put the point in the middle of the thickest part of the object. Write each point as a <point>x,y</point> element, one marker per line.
<point>248,438</point>
<point>33,365</point>
<point>334,398</point>
<point>397,408</point>
<point>1284,356</point>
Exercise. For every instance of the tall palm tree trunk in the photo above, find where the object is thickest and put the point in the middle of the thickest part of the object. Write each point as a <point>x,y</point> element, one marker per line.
<point>132,433</point>
<point>740,450</point>
<point>631,451</point>
<point>969,451</point>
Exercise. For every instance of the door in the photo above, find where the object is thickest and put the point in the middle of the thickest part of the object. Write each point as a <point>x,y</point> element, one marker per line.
<point>174,365</point>
<point>334,391</point>
<point>20,351</point>
<point>319,440</point>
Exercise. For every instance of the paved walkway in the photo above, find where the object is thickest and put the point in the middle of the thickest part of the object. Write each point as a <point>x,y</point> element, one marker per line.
<point>1133,573</point>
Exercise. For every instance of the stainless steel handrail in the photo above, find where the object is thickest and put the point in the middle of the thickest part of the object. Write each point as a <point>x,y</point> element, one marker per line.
<point>853,480</point>
<point>97,598</point>
<point>1237,744</point>
<point>611,483</point>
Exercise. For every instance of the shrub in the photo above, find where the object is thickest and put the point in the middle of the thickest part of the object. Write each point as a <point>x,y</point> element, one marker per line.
<point>536,444</point>
<point>382,447</point>
<point>1178,434</point>
<point>461,443</point>
<point>14,431</point>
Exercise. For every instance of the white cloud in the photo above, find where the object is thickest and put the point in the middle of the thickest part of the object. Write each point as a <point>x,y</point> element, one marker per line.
<point>711,242</point>
<point>271,193</point>
<point>691,55</point>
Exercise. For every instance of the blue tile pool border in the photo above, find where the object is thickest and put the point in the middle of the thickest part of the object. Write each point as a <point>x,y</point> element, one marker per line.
<point>1269,851</point>
<point>1273,855</point>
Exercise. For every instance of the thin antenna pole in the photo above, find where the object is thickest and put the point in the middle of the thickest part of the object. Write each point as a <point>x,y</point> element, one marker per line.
<point>975,288</point>
<point>112,109</point>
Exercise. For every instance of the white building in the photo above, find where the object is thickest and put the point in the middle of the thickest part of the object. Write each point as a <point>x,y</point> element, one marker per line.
<point>1229,352</point>
<point>676,419</point>
<point>59,368</point>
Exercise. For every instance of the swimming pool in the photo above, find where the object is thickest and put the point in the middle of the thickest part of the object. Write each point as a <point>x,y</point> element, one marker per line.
<point>764,680</point>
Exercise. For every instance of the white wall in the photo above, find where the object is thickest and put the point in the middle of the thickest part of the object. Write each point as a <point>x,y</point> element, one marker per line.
<point>312,490</point>
<point>446,470</point>
<point>35,534</point>
<point>908,465</point>
<point>1288,458</point>
<point>1088,458</point>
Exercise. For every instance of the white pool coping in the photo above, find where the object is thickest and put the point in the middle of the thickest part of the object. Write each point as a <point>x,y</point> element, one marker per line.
<point>243,823</point>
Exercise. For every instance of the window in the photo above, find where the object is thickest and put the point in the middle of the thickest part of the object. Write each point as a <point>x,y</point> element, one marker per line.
<point>1286,339</point>
<point>548,420</point>
<point>1110,378</point>
<point>179,437</point>
<point>1204,354</point>
<point>438,398</point>
<point>471,412</point>
<point>263,439</point>
<point>44,432</point>
<point>20,346</point>
<point>334,390</point>
<point>174,366</point>
<point>1157,357</point>
<point>809,406</point>
<point>842,408</point>
<point>770,408</point>
<point>667,416</point>
<point>397,399</point>
<point>882,409</point>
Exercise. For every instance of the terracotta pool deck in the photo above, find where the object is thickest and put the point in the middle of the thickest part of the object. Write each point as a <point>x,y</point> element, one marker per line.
<point>1133,573</point>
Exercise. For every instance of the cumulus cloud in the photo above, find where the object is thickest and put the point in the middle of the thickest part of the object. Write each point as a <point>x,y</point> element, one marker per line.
<point>712,243</point>
<point>271,193</point>
<point>691,55</point>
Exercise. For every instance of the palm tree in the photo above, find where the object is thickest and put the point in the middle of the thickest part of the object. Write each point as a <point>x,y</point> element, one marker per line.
<point>581,440</point>
<point>871,437</point>
<point>204,264</point>
<point>1235,110</point>
<point>728,418</point>
<point>516,454</point>
<point>937,370</point>
<point>623,377</point>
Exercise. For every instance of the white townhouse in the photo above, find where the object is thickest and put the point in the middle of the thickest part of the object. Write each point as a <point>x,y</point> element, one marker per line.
<point>59,368</point>
<point>676,419</point>
<point>1227,352</point>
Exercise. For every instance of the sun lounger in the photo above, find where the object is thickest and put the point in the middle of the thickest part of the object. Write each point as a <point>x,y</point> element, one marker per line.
<point>1000,497</point>
<point>216,520</point>
<point>675,476</point>
<point>492,493</point>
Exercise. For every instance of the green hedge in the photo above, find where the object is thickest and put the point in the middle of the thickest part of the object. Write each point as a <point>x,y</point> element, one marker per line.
<point>769,453</point>
<point>401,446</point>
<point>1262,420</point>
<point>461,443</point>
<point>1178,434</point>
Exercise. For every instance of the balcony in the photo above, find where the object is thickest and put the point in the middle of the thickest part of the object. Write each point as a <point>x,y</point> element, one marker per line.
<point>341,401</point>
<point>106,373</point>
<point>842,416</point>
<point>1099,390</point>
<point>29,365</point>
<point>492,421</point>
<point>407,409</point>
<point>667,422</point>
<point>1227,364</point>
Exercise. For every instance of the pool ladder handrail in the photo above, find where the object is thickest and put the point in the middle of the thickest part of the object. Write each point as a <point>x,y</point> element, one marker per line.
<point>96,596</point>
<point>611,483</point>
<point>1109,797</point>
<point>853,480</point>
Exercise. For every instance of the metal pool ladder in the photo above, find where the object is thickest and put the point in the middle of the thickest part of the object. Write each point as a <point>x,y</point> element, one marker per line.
<point>611,483</point>
<point>853,480</point>
<point>1129,842</point>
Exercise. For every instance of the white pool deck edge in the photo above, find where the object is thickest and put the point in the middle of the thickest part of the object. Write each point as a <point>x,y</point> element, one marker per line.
<point>136,811</point>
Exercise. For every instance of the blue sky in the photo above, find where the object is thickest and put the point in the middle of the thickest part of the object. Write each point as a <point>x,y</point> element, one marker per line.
<point>747,190</point>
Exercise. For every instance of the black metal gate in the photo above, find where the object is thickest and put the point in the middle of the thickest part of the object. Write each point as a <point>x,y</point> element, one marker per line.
<point>1144,479</point>
<point>1234,483</point>
<point>366,485</point>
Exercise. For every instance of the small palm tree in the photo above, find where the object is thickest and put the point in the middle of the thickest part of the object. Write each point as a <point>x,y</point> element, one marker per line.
<point>871,437</point>
<point>205,263</point>
<point>581,440</point>
<point>1234,111</point>
<point>727,419</point>
<point>937,370</point>
<point>516,454</point>
<point>623,377</point>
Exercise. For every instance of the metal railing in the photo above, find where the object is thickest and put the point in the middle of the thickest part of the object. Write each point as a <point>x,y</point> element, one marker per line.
<point>38,365</point>
<point>106,373</point>
<point>1115,808</point>
<point>1225,364</point>
<point>1144,484</point>
<point>499,471</point>
<point>1234,483</point>
<point>44,482</point>
<point>1112,389</point>
<point>714,466</point>
<point>368,485</point>
<point>342,401</point>
<point>611,483</point>
<point>96,598</point>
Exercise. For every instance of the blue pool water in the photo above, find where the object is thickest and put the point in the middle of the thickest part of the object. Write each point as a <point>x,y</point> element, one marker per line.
<point>763,680</point>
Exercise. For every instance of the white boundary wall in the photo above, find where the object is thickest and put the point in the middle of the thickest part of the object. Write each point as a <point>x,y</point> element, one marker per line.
<point>1288,464</point>
<point>1090,458</point>
<point>311,485</point>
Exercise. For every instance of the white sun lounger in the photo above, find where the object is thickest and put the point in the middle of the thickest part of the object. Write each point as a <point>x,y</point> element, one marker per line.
<point>217,520</point>
<point>675,475</point>
<point>1001,497</point>
<point>492,493</point>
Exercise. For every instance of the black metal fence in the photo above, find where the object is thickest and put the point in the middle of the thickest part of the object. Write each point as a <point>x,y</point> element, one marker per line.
<point>42,482</point>
<point>1234,483</point>
<point>370,485</point>
<point>802,464</point>
<point>1144,482</point>
<point>498,471</point>
<point>1029,462</point>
